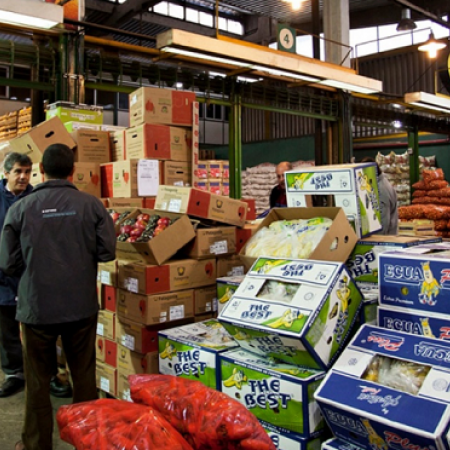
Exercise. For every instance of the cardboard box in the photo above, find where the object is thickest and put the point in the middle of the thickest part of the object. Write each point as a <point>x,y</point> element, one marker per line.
<point>106,177</point>
<point>277,394</point>
<point>162,247</point>
<point>158,142</point>
<point>174,275</point>
<point>125,181</point>
<point>111,128</point>
<point>205,300</point>
<point>336,245</point>
<point>69,112</point>
<point>363,262</point>
<point>137,202</point>
<point>417,278</point>
<point>298,311</point>
<point>211,242</point>
<point>86,178</point>
<point>74,126</point>
<point>201,204</point>
<point>225,170</point>
<point>416,227</point>
<point>92,146</point>
<point>251,212</point>
<point>107,273</point>
<point>229,266</point>
<point>161,106</point>
<point>206,316</point>
<point>123,385</point>
<point>106,378</point>
<point>109,294</point>
<point>153,309</point>
<point>414,322</point>
<point>177,173</point>
<point>34,142</point>
<point>338,444</point>
<point>106,325</point>
<point>364,402</point>
<point>226,193</point>
<point>215,169</point>
<point>106,351</point>
<point>201,185</point>
<point>137,363</point>
<point>215,186</point>
<point>100,348</point>
<point>192,351</point>
<point>36,177</point>
<point>201,171</point>
<point>117,143</point>
<point>142,338</point>
<point>353,186</point>
<point>244,234</point>
<point>225,289</point>
<point>291,441</point>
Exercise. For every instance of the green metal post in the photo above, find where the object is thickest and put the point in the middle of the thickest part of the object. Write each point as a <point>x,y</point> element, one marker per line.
<point>235,147</point>
<point>413,151</point>
<point>345,129</point>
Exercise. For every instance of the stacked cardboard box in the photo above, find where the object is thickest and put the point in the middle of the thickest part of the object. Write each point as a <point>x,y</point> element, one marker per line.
<point>363,266</point>
<point>213,176</point>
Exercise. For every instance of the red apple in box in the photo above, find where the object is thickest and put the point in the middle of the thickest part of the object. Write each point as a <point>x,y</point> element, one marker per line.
<point>136,232</point>
<point>144,217</point>
<point>131,239</point>
<point>126,229</point>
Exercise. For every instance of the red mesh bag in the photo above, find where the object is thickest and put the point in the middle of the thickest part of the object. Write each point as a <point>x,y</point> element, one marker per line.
<point>440,225</point>
<point>411,212</point>
<point>116,424</point>
<point>420,193</point>
<point>422,200</point>
<point>436,184</point>
<point>432,175</point>
<point>208,419</point>
<point>434,212</point>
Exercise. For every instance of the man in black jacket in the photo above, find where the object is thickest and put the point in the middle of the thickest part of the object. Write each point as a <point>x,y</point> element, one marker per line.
<point>55,238</point>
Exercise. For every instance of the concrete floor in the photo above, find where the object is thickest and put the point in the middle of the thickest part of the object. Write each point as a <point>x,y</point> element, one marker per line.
<point>11,420</point>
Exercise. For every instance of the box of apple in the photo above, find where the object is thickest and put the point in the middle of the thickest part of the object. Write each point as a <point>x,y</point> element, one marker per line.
<point>151,236</point>
<point>144,227</point>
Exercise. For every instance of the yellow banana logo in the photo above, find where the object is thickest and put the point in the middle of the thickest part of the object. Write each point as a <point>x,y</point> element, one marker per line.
<point>225,297</point>
<point>237,378</point>
<point>169,351</point>
<point>286,320</point>
<point>241,335</point>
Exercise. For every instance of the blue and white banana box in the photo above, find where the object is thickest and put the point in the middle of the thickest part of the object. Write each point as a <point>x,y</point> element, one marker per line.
<point>389,390</point>
<point>291,441</point>
<point>338,444</point>
<point>416,278</point>
<point>415,322</point>
<point>278,394</point>
<point>354,187</point>
<point>298,311</point>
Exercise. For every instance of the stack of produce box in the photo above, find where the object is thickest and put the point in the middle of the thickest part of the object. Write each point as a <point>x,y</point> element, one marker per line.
<point>431,200</point>
<point>155,150</point>
<point>354,188</point>
<point>363,266</point>
<point>213,176</point>
<point>389,390</point>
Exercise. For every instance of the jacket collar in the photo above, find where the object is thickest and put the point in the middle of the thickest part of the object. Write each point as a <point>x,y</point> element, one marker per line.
<point>54,184</point>
<point>3,189</point>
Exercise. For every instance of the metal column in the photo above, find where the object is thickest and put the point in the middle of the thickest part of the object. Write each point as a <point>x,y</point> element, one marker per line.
<point>413,151</point>
<point>235,147</point>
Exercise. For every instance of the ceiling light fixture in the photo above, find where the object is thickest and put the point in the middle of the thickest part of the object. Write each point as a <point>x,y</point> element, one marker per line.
<point>223,51</point>
<point>31,13</point>
<point>295,4</point>
<point>406,23</point>
<point>432,46</point>
<point>428,101</point>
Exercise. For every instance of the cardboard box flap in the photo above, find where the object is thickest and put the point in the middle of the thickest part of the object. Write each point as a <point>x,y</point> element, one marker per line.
<point>336,245</point>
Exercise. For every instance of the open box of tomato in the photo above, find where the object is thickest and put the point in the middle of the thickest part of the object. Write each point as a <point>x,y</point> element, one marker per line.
<point>153,236</point>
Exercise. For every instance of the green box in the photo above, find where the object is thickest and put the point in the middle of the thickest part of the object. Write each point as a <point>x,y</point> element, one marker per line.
<point>363,262</point>
<point>192,351</point>
<point>226,287</point>
<point>291,441</point>
<point>69,112</point>
<point>278,394</point>
<point>353,186</point>
<point>298,311</point>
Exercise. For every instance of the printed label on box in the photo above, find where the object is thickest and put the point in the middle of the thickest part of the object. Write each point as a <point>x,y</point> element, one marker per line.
<point>100,330</point>
<point>176,312</point>
<point>219,247</point>
<point>128,342</point>
<point>105,277</point>
<point>132,285</point>
<point>104,384</point>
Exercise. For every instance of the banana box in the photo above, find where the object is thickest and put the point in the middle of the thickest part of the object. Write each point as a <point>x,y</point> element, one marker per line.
<point>414,322</point>
<point>353,186</point>
<point>276,393</point>
<point>226,287</point>
<point>416,278</point>
<point>363,262</point>
<point>192,351</point>
<point>298,311</point>
<point>389,390</point>
<point>291,441</point>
